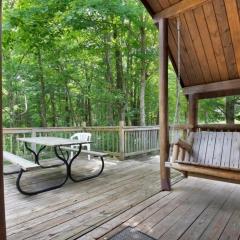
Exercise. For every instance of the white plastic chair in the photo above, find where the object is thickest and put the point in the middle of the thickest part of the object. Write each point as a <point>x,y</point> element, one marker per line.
<point>85,137</point>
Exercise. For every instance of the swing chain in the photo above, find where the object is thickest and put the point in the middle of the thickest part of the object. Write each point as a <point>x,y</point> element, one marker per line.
<point>177,112</point>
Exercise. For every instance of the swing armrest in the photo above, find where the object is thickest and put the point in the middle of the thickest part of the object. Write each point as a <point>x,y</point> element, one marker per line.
<point>184,145</point>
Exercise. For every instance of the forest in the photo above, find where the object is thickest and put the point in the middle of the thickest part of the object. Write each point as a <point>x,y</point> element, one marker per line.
<point>96,61</point>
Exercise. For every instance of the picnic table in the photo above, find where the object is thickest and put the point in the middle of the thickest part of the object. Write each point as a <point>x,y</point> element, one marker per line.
<point>61,147</point>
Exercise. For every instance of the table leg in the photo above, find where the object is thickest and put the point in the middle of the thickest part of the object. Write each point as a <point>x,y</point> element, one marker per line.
<point>88,177</point>
<point>60,154</point>
<point>37,154</point>
<point>83,178</point>
<point>18,184</point>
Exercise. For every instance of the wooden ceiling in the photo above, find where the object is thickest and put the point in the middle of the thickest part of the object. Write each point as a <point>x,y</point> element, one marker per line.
<point>210,38</point>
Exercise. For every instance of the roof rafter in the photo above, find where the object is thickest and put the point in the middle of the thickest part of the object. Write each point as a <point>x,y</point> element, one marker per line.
<point>178,8</point>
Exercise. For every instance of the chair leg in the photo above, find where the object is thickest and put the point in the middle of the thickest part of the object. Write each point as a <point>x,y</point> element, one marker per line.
<point>88,148</point>
<point>71,155</point>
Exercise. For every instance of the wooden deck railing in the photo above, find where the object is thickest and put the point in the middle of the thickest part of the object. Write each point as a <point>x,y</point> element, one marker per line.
<point>120,141</point>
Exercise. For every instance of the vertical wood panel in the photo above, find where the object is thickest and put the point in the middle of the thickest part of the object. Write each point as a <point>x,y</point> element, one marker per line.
<point>223,26</point>
<point>207,43</point>
<point>234,23</point>
<point>191,50</point>
<point>164,3</point>
<point>196,146</point>
<point>227,145</point>
<point>186,64</point>
<point>210,148</point>
<point>216,40</point>
<point>155,5</point>
<point>199,48</point>
<point>218,149</point>
<point>173,47</point>
<point>235,151</point>
<point>203,148</point>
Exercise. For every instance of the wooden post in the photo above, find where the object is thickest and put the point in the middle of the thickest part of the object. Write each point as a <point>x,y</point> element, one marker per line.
<point>84,124</point>
<point>121,140</point>
<point>163,104</point>
<point>2,205</point>
<point>193,111</point>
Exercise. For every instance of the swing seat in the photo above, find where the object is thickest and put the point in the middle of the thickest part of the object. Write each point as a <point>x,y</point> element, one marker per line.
<point>213,155</point>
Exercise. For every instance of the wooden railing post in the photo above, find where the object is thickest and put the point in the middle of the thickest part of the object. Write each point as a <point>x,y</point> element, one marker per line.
<point>121,140</point>
<point>83,124</point>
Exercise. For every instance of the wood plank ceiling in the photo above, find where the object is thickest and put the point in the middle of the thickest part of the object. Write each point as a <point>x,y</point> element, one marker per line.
<point>210,40</point>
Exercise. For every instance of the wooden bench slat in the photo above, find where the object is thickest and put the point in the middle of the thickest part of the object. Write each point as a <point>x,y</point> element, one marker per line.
<point>218,150</point>
<point>26,165</point>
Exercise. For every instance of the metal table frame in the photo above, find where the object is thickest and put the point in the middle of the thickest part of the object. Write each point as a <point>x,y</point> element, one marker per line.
<point>64,156</point>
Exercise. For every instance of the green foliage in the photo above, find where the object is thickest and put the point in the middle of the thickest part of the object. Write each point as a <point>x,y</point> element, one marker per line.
<point>80,61</point>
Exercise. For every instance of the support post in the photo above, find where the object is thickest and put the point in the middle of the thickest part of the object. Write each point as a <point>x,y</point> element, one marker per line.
<point>2,205</point>
<point>121,140</point>
<point>84,124</point>
<point>163,104</point>
<point>193,111</point>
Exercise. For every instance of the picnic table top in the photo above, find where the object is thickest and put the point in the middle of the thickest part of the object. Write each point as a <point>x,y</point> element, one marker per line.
<point>52,141</point>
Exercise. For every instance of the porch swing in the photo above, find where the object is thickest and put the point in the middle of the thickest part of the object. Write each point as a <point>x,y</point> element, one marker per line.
<point>206,154</point>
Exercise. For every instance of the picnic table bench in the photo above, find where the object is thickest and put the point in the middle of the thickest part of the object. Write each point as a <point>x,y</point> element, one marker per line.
<point>25,166</point>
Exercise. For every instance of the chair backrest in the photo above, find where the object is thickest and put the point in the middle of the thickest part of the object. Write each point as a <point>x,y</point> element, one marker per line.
<point>82,136</point>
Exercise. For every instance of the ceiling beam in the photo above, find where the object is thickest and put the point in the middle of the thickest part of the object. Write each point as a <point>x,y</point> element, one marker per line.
<point>217,89</point>
<point>148,7</point>
<point>218,94</point>
<point>178,8</point>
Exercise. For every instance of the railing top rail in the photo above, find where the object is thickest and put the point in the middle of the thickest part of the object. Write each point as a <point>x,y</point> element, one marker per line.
<point>97,128</point>
<point>181,126</point>
<point>219,127</point>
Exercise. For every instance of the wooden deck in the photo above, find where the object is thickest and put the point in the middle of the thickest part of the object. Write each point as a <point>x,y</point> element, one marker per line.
<point>196,209</point>
<point>77,208</point>
<point>127,194</point>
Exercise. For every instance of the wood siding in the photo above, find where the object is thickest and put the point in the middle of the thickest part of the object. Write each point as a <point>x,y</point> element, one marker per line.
<point>210,40</point>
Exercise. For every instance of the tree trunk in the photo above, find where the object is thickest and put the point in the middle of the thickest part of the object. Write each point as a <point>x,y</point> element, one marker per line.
<point>230,107</point>
<point>119,72</point>
<point>109,77</point>
<point>67,109</point>
<point>143,73</point>
<point>42,90</point>
<point>53,108</point>
<point>129,75</point>
<point>87,99</point>
<point>72,119</point>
